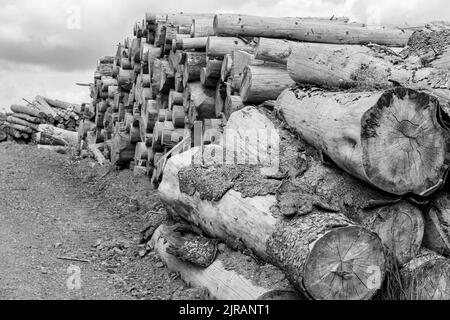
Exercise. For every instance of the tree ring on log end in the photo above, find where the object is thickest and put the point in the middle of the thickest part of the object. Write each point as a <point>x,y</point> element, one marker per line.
<point>401,229</point>
<point>405,149</point>
<point>352,268</point>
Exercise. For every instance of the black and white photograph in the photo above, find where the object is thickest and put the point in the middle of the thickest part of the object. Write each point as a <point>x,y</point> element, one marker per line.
<point>225,157</point>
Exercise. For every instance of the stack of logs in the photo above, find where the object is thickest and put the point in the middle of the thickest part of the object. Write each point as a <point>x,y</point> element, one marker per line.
<point>336,181</point>
<point>44,121</point>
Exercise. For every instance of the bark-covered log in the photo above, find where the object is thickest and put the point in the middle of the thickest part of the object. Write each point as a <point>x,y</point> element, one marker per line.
<point>220,46</point>
<point>241,213</point>
<point>427,277</point>
<point>362,67</point>
<point>437,224</point>
<point>186,18</point>
<point>309,30</point>
<point>261,83</point>
<point>390,139</point>
<point>232,276</point>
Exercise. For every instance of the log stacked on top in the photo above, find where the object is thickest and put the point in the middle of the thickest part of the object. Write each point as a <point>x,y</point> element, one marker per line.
<point>44,121</point>
<point>333,188</point>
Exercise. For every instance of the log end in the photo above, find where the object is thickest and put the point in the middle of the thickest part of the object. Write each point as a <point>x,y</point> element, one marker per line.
<point>346,264</point>
<point>405,149</point>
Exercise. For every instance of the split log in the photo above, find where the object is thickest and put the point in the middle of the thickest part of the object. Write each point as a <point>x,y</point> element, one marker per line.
<point>437,224</point>
<point>193,43</point>
<point>200,101</point>
<point>246,215</point>
<point>308,30</point>
<point>194,62</point>
<point>379,137</point>
<point>167,79</point>
<point>261,83</point>
<point>241,60</point>
<point>232,276</point>
<point>427,277</point>
<point>220,46</point>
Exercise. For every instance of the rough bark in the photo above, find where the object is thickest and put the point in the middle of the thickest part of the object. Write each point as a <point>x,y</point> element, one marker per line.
<point>427,277</point>
<point>437,224</point>
<point>390,139</point>
<point>232,276</point>
<point>242,214</point>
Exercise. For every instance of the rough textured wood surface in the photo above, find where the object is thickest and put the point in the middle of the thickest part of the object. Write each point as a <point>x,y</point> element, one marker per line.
<point>232,276</point>
<point>220,46</point>
<point>309,30</point>
<point>389,139</point>
<point>427,277</point>
<point>437,227</point>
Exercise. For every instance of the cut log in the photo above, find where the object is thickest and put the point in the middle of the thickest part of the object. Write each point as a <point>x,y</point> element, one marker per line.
<point>233,104</point>
<point>207,81</point>
<point>186,18</point>
<point>141,152</point>
<point>96,150</point>
<point>18,127</point>
<point>241,60</point>
<point>261,83</point>
<point>167,79</point>
<point>220,46</point>
<point>193,43</point>
<point>194,62</point>
<point>274,50</point>
<point>308,30</point>
<point>24,123</point>
<point>379,137</point>
<point>125,79</point>
<point>70,137</point>
<point>245,214</point>
<point>202,27</point>
<point>362,67</point>
<point>427,277</point>
<point>200,101</point>
<point>29,110</point>
<point>221,95</point>
<point>175,98</point>
<point>122,150</point>
<point>178,116</point>
<point>437,226</point>
<point>232,276</point>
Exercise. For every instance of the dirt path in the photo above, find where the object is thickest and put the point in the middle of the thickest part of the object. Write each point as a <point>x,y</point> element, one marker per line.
<point>49,210</point>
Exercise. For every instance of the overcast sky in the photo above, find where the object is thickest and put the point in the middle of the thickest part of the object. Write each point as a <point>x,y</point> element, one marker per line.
<point>44,49</point>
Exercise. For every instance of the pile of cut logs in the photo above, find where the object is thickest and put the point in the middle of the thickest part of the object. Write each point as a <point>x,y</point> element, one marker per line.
<point>335,182</point>
<point>44,121</point>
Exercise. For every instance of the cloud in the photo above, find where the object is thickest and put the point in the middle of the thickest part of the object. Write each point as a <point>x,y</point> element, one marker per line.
<point>41,51</point>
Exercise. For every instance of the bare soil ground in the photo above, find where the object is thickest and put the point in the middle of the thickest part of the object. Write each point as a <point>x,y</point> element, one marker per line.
<point>54,206</point>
